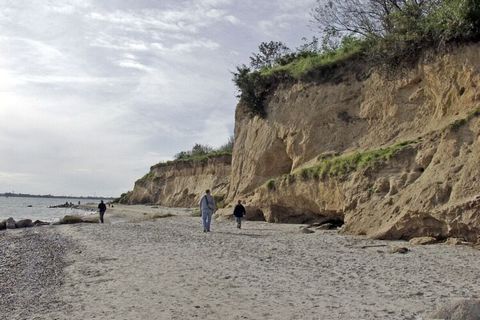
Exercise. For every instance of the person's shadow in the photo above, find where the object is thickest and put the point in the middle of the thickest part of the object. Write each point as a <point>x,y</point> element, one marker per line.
<point>242,234</point>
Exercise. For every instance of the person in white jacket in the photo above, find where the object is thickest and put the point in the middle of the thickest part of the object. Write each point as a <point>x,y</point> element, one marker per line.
<point>207,208</point>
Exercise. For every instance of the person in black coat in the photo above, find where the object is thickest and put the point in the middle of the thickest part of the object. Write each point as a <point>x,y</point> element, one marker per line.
<point>102,208</point>
<point>239,212</point>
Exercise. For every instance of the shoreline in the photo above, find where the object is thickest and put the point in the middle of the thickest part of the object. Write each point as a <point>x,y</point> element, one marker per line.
<point>138,266</point>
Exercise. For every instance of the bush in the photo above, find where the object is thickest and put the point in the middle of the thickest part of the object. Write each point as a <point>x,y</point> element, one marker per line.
<point>271,184</point>
<point>253,89</point>
<point>305,174</point>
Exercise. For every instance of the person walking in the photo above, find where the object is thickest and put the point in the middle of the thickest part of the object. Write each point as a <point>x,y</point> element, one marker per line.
<point>239,212</point>
<point>102,208</point>
<point>207,208</point>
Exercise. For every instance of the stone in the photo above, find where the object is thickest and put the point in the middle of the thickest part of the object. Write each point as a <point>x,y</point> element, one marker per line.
<point>10,223</point>
<point>25,223</point>
<point>306,230</point>
<point>420,241</point>
<point>458,310</point>
<point>71,219</point>
<point>327,226</point>
<point>3,224</point>
<point>454,241</point>
<point>38,223</point>
<point>401,250</point>
<point>94,218</point>
<point>414,224</point>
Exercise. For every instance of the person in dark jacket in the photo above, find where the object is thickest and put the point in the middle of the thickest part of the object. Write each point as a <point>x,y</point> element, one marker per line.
<point>239,212</point>
<point>102,208</point>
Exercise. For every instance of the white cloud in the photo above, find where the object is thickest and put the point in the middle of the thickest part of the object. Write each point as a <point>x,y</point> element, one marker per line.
<point>132,64</point>
<point>232,19</point>
<point>95,92</point>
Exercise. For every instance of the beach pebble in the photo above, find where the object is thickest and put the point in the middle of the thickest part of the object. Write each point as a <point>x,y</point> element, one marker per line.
<point>458,310</point>
<point>10,223</point>
<point>40,223</point>
<point>305,230</point>
<point>25,223</point>
<point>399,250</point>
<point>420,241</point>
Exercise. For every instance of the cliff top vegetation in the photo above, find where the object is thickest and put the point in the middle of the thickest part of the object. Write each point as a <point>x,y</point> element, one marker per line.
<point>387,32</point>
<point>200,152</point>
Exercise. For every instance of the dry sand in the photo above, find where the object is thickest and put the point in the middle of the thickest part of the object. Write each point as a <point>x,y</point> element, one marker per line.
<point>169,269</point>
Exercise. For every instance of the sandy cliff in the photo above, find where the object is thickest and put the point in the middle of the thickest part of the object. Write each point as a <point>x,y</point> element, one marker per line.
<point>395,157</point>
<point>181,184</point>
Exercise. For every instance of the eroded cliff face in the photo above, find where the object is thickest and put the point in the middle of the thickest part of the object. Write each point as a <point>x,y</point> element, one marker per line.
<point>431,186</point>
<point>181,184</point>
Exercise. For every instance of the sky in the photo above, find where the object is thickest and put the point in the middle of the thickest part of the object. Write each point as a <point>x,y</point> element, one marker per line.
<point>94,92</point>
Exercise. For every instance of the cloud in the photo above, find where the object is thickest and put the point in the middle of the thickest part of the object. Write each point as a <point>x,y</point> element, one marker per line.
<point>95,92</point>
<point>132,64</point>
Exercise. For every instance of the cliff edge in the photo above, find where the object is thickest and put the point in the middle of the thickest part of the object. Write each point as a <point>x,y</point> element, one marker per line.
<point>393,157</point>
<point>181,183</point>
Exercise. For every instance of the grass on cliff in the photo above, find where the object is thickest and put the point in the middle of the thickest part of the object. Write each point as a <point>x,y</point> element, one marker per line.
<point>342,165</point>
<point>194,158</point>
<point>345,164</point>
<point>302,65</point>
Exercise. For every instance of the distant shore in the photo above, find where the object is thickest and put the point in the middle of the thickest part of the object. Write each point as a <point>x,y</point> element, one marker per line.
<point>49,196</point>
<point>155,263</point>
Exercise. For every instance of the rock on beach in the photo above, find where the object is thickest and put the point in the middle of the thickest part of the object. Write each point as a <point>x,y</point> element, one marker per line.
<point>25,223</point>
<point>10,223</point>
<point>458,310</point>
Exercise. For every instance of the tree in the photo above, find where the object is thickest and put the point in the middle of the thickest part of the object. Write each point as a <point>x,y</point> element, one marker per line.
<point>309,46</point>
<point>200,150</point>
<point>269,54</point>
<point>182,155</point>
<point>369,18</point>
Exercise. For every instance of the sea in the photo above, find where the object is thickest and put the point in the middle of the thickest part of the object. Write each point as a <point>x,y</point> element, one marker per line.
<point>38,208</point>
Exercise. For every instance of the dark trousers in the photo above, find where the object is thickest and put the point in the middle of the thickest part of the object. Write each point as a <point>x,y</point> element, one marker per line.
<point>239,222</point>
<point>101,216</point>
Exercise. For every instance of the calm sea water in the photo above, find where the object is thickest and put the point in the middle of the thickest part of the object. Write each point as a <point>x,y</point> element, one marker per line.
<point>18,208</point>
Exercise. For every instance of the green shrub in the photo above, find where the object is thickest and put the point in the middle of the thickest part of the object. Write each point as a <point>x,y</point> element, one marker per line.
<point>271,184</point>
<point>304,64</point>
<point>253,89</point>
<point>305,174</point>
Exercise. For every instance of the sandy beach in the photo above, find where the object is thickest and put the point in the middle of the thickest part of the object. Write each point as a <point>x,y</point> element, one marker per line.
<point>167,268</point>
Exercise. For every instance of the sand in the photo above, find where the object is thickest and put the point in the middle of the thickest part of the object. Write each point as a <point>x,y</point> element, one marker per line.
<point>168,268</point>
